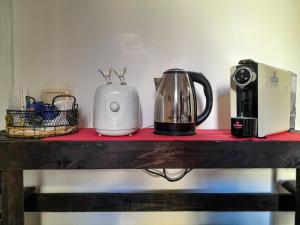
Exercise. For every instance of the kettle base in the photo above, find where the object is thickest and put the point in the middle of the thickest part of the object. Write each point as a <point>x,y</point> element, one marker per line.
<point>174,129</point>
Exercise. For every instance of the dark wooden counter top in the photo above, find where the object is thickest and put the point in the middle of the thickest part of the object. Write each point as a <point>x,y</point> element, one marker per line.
<point>22,154</point>
<point>17,155</point>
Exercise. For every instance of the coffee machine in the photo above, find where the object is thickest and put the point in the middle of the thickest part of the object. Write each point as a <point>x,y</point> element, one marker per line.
<point>262,98</point>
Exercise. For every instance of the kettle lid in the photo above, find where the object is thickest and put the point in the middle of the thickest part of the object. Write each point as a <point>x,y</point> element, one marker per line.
<point>175,70</point>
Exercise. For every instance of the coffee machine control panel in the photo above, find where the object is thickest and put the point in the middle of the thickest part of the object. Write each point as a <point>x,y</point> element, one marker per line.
<point>245,97</point>
<point>244,76</point>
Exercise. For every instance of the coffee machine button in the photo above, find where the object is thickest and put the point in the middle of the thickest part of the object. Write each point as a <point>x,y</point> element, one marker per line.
<point>114,106</point>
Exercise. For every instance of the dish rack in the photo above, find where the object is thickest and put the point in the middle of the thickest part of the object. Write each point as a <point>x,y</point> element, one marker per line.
<point>49,121</point>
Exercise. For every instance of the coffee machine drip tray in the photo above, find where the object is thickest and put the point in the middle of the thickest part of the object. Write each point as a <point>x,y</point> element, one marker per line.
<point>244,126</point>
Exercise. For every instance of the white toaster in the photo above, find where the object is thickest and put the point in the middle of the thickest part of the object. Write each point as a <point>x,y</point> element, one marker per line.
<point>116,108</point>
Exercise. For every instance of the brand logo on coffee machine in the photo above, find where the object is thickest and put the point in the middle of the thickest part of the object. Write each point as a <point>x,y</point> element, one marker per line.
<point>238,125</point>
<point>274,78</point>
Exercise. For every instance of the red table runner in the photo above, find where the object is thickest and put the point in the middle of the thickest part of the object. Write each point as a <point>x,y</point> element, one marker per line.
<point>146,134</point>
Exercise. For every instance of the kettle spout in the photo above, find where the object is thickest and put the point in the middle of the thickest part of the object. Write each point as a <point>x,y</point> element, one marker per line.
<point>157,83</point>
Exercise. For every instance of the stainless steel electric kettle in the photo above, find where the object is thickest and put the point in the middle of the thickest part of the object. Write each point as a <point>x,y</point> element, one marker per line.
<point>175,110</point>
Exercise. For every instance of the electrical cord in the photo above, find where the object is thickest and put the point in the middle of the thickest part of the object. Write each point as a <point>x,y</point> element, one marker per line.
<point>164,174</point>
<point>167,177</point>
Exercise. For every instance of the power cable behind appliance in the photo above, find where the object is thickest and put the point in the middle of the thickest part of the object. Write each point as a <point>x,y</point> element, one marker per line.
<point>164,174</point>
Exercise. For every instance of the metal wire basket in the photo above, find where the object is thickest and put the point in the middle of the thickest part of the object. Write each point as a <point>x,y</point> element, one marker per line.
<point>45,122</point>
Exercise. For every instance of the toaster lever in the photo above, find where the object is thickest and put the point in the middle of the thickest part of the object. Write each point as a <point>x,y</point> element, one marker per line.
<point>121,75</point>
<point>106,75</point>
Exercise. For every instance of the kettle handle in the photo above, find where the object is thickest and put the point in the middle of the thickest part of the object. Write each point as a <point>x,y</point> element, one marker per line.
<point>201,79</point>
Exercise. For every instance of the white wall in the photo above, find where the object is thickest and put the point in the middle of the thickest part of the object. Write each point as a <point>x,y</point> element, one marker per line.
<point>6,58</point>
<point>61,43</point>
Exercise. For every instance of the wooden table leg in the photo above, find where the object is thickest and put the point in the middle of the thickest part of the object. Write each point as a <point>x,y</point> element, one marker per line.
<point>12,197</point>
<point>297,195</point>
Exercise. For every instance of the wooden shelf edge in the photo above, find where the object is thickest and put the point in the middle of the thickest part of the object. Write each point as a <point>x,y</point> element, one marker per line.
<point>125,202</point>
<point>290,186</point>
